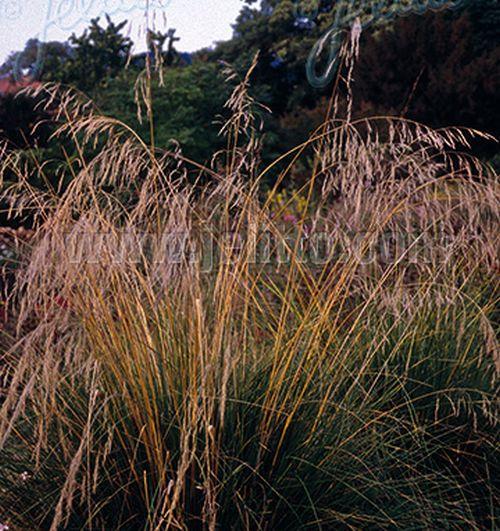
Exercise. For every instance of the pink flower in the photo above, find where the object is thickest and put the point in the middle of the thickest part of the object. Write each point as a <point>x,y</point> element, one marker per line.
<point>290,218</point>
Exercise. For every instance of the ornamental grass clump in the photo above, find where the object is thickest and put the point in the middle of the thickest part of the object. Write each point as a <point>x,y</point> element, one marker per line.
<point>183,359</point>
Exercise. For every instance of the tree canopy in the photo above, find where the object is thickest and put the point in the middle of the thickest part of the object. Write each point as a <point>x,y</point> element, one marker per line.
<point>438,68</point>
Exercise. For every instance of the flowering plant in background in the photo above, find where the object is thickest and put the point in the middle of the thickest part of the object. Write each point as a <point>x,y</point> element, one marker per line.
<point>288,205</point>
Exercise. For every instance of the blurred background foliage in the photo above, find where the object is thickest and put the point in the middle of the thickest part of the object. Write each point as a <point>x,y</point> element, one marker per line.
<point>437,68</point>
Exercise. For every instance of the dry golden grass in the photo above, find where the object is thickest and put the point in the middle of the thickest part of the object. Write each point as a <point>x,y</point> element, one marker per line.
<point>159,391</point>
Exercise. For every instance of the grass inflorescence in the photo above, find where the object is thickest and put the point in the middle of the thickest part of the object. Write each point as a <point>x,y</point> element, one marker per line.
<point>145,389</point>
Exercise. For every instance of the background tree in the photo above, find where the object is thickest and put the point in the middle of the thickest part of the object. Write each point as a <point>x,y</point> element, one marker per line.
<point>37,59</point>
<point>99,53</point>
<point>187,106</point>
<point>429,69</point>
<point>439,68</point>
<point>156,45</point>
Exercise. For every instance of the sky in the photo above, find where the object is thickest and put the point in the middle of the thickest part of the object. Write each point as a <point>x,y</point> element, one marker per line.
<point>199,23</point>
